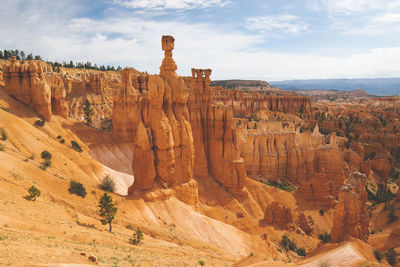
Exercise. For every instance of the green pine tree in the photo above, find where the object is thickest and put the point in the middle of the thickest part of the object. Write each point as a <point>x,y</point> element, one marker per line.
<point>107,209</point>
<point>87,109</point>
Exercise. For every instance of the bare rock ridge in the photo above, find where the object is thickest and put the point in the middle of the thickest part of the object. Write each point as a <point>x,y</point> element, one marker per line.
<point>351,217</point>
<point>249,103</point>
<point>33,84</point>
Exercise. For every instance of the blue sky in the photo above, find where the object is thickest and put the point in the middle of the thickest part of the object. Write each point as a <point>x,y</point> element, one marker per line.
<point>254,39</point>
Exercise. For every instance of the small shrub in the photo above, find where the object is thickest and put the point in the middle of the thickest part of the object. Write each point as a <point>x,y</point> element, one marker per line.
<point>201,263</point>
<point>33,193</point>
<point>321,212</point>
<point>2,147</point>
<point>288,243</point>
<point>62,141</point>
<point>77,189</point>
<point>391,256</point>
<point>46,155</point>
<point>301,252</point>
<point>76,146</point>
<point>325,237</point>
<point>137,237</point>
<point>130,227</point>
<point>43,167</point>
<point>108,184</point>
<point>283,186</point>
<point>47,163</point>
<point>378,255</point>
<point>59,137</point>
<point>3,134</point>
<point>40,122</point>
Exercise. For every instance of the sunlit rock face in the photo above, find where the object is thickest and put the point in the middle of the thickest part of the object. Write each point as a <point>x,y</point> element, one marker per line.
<point>33,83</point>
<point>152,112</point>
<point>351,217</point>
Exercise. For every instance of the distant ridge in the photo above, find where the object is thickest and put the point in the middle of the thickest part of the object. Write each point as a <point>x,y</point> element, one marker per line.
<point>373,86</point>
<point>241,84</point>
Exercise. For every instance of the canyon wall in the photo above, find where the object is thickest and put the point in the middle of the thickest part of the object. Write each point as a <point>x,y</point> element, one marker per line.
<point>33,83</point>
<point>215,139</point>
<point>245,103</point>
<point>283,154</point>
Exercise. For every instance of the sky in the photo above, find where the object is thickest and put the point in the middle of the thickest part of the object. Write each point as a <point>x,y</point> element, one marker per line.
<point>253,39</point>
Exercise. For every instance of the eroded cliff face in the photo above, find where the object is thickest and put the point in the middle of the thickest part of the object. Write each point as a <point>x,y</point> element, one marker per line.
<point>351,217</point>
<point>151,111</point>
<point>283,154</point>
<point>33,84</point>
<point>215,138</point>
<point>244,103</point>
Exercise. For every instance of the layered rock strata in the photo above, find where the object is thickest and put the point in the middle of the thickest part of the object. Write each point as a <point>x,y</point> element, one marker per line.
<point>283,155</point>
<point>244,103</point>
<point>215,138</point>
<point>29,83</point>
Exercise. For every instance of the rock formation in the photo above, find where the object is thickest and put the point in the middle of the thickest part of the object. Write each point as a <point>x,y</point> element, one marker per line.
<point>305,223</point>
<point>29,83</point>
<point>152,112</point>
<point>351,216</point>
<point>244,103</point>
<point>278,214</point>
<point>284,155</point>
<point>215,139</point>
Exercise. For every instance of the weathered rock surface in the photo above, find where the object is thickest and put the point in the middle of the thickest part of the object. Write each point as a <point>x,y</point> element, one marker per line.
<point>215,139</point>
<point>152,111</point>
<point>305,223</point>
<point>285,155</point>
<point>29,83</point>
<point>351,217</point>
<point>278,214</point>
<point>244,103</point>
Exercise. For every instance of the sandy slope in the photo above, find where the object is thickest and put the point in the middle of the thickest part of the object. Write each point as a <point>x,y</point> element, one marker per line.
<point>58,226</point>
<point>345,255</point>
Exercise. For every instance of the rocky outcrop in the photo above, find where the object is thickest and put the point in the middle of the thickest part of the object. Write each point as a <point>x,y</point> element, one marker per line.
<point>245,103</point>
<point>306,223</point>
<point>96,83</point>
<point>351,216</point>
<point>279,154</point>
<point>29,83</point>
<point>152,111</point>
<point>278,214</point>
<point>215,139</point>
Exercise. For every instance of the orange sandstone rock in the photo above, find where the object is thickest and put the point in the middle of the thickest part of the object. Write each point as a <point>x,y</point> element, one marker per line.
<point>30,84</point>
<point>152,111</point>
<point>278,214</point>
<point>215,138</point>
<point>351,216</point>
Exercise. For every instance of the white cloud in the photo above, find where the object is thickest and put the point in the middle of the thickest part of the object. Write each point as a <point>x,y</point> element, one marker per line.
<point>276,25</point>
<point>350,7</point>
<point>387,18</point>
<point>171,4</point>
<point>126,41</point>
